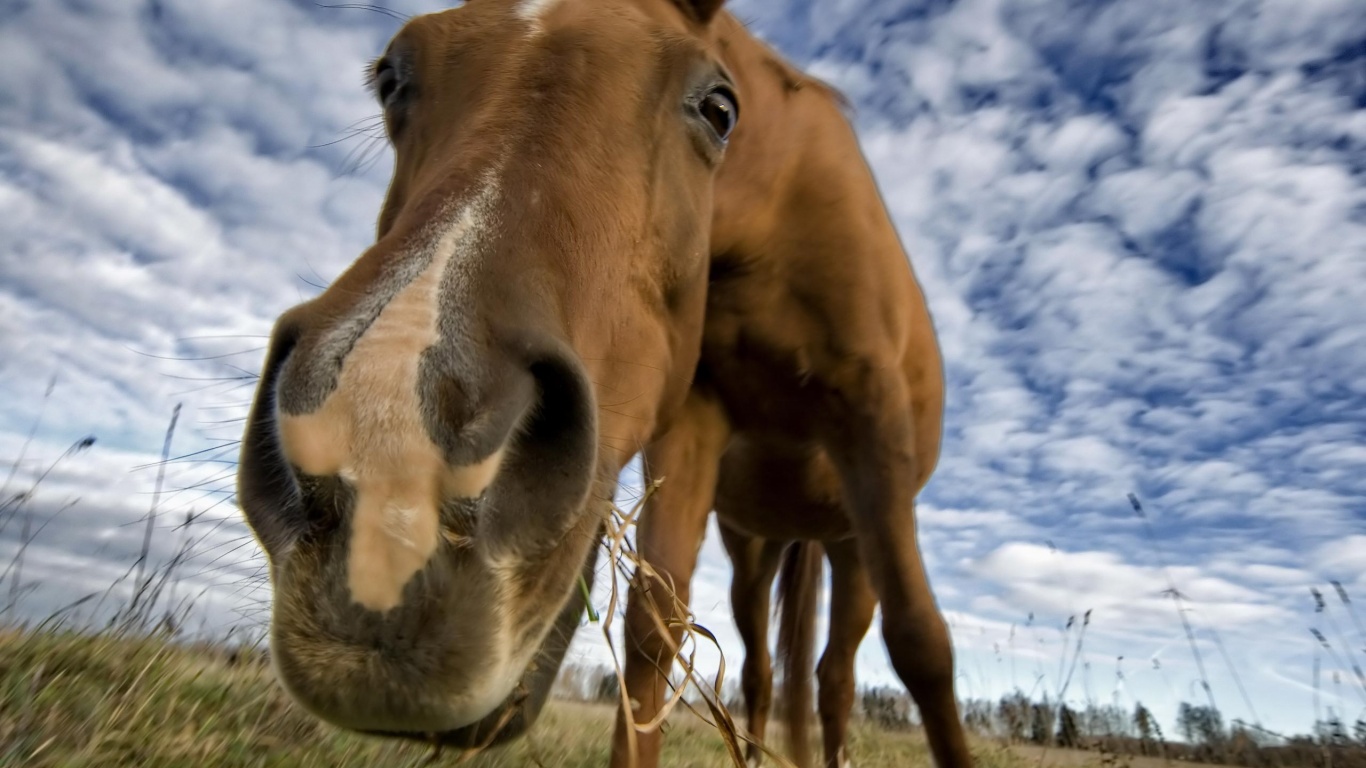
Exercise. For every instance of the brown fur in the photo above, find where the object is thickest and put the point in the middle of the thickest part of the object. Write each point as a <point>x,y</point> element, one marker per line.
<point>746,315</point>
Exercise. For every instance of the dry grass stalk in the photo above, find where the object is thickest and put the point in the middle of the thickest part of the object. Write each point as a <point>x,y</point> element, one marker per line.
<point>624,561</point>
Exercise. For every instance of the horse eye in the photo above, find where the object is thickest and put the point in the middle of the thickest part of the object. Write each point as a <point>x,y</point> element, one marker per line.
<point>718,108</point>
<point>386,82</point>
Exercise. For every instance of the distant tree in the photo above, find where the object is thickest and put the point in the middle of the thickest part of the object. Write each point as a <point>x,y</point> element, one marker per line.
<point>1100,721</point>
<point>1332,732</point>
<point>1200,724</point>
<point>1041,717</point>
<point>1244,745</point>
<point>1152,740</point>
<point>886,708</point>
<point>609,687</point>
<point>1144,724</point>
<point>1013,714</point>
<point>1258,736</point>
<point>1186,722</point>
<point>1360,730</point>
<point>977,716</point>
<point>1069,734</point>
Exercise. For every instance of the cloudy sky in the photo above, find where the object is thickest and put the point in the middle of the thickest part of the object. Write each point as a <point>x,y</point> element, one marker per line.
<point>1141,226</point>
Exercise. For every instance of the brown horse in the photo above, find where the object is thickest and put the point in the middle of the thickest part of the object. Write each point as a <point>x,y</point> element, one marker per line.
<point>815,412</point>
<point>436,438</point>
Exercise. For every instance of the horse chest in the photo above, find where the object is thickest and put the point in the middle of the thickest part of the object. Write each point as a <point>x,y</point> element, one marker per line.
<point>766,387</point>
<point>761,354</point>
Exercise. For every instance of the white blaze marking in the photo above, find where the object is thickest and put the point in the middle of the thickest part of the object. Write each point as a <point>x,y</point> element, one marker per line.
<point>370,431</point>
<point>532,11</point>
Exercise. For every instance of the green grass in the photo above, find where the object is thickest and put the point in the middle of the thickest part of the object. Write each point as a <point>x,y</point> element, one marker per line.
<point>71,699</point>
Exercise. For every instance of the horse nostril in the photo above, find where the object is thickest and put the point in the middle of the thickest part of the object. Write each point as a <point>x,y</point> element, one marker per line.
<point>284,338</point>
<point>267,489</point>
<point>563,412</point>
<point>551,458</point>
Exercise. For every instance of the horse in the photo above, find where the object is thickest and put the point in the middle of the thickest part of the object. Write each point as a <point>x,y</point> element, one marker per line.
<point>435,439</point>
<point>815,412</point>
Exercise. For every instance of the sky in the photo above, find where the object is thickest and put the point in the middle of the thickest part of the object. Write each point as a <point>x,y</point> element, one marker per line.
<point>1141,227</point>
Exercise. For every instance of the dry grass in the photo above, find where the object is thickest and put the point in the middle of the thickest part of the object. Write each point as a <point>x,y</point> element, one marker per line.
<point>137,696</point>
<point>70,699</point>
<point>1077,758</point>
<point>670,614</point>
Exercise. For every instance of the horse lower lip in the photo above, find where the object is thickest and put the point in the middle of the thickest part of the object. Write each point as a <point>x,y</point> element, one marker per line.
<point>465,737</point>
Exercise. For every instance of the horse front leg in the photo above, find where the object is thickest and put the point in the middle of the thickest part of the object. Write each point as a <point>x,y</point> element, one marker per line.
<point>669,535</point>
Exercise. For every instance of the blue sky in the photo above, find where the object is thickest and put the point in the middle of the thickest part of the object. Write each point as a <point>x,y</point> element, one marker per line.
<point>1141,226</point>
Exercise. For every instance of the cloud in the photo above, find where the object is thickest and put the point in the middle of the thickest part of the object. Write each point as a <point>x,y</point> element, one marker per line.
<point>1346,555</point>
<point>1055,582</point>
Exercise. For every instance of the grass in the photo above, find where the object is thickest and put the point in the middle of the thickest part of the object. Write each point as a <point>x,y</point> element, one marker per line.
<point>72,699</point>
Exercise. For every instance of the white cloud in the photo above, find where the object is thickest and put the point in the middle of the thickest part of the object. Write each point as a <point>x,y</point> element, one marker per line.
<point>1344,556</point>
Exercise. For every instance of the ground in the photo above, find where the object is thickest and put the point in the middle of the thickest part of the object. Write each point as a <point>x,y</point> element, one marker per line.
<point>69,700</point>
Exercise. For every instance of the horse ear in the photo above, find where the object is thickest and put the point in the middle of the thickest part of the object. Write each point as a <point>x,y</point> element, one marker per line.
<point>700,11</point>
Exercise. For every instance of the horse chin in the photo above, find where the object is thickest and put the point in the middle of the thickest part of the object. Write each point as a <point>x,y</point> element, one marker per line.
<point>507,721</point>
<point>520,710</point>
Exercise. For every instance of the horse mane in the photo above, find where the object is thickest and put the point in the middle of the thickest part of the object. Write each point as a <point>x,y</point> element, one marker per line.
<point>794,80</point>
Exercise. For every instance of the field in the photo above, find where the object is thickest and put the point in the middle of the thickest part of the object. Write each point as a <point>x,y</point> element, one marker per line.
<point>69,699</point>
<point>146,697</point>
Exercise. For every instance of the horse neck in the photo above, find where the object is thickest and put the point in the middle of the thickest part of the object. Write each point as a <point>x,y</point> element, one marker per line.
<point>795,155</point>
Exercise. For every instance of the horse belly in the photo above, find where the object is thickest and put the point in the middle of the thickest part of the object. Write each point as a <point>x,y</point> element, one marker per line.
<point>763,393</point>
<point>775,480</point>
<point>777,489</point>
